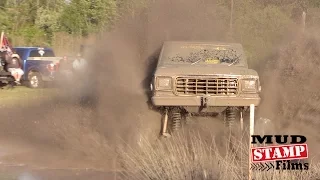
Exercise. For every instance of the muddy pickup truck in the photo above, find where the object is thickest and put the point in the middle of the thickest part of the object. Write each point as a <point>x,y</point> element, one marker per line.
<point>202,78</point>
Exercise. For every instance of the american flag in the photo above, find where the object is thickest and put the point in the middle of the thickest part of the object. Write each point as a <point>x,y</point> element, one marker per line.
<point>5,44</point>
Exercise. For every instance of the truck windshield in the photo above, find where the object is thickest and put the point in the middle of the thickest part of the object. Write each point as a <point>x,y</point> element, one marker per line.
<point>203,54</point>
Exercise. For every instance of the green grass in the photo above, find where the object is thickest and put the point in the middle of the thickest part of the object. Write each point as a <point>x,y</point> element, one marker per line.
<point>21,95</point>
<point>4,176</point>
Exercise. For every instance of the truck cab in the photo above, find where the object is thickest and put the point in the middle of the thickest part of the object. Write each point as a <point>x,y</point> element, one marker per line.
<point>39,65</point>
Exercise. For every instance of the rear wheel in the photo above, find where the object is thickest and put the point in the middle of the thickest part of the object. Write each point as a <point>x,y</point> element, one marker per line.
<point>35,80</point>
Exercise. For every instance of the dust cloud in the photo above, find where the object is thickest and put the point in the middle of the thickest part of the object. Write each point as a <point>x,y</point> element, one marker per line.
<point>290,90</point>
<point>116,87</point>
<point>119,77</point>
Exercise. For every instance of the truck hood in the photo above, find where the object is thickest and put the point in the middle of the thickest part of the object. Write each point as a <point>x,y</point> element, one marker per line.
<point>204,70</point>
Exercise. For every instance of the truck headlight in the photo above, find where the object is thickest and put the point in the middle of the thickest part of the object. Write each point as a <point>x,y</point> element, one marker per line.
<point>164,83</point>
<point>151,87</point>
<point>249,85</point>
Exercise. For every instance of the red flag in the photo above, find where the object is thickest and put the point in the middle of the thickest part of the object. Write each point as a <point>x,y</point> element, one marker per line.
<point>5,44</point>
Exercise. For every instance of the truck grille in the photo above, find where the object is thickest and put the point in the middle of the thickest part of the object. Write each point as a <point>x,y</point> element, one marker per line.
<point>206,86</point>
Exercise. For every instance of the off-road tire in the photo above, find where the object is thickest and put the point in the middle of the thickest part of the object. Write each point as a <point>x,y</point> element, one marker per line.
<point>35,80</point>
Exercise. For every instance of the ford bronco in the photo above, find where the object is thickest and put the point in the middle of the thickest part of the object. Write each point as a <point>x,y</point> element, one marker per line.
<point>202,78</point>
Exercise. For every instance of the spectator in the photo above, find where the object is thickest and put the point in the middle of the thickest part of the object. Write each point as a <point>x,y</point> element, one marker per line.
<point>80,64</point>
<point>63,60</point>
<point>14,67</point>
<point>64,64</point>
<point>65,68</point>
<point>2,59</point>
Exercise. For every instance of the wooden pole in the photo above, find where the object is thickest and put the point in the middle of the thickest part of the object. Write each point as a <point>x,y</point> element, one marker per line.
<point>115,167</point>
<point>231,18</point>
<point>241,140</point>
<point>304,14</point>
<point>241,120</point>
<point>251,133</point>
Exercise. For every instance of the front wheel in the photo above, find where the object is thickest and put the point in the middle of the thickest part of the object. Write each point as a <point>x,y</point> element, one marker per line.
<point>35,80</point>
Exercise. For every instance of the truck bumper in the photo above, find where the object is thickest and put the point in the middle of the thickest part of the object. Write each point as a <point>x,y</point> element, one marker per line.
<point>199,101</point>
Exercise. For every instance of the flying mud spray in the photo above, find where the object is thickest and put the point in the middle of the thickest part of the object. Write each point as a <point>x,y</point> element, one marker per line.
<point>91,135</point>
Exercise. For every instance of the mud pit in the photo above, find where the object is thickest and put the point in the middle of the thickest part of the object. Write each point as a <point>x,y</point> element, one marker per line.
<point>64,134</point>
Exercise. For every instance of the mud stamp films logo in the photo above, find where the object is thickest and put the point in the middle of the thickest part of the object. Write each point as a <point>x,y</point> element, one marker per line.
<point>288,155</point>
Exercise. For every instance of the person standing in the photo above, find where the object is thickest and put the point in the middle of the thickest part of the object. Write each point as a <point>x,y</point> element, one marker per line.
<point>80,65</point>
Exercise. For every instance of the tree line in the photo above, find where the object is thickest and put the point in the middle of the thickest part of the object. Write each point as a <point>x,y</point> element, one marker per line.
<point>41,19</point>
<point>35,18</point>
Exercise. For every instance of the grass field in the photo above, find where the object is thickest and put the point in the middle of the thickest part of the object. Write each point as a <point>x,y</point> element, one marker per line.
<point>21,95</point>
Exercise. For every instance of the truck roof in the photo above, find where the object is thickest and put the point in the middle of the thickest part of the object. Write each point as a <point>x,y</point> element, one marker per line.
<point>24,47</point>
<point>28,52</point>
<point>202,43</point>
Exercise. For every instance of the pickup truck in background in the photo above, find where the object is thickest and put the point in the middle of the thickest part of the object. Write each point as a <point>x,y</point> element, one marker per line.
<point>39,65</point>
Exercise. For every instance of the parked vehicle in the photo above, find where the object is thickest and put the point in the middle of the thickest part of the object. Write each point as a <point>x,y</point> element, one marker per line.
<point>39,65</point>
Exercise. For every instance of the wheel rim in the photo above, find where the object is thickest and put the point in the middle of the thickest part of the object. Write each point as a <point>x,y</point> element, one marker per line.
<point>34,81</point>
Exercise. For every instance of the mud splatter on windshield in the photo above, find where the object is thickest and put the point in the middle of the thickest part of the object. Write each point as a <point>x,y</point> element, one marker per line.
<point>200,54</point>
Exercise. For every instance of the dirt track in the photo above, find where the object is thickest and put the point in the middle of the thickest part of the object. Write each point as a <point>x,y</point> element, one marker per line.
<point>66,132</point>
<point>25,173</point>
